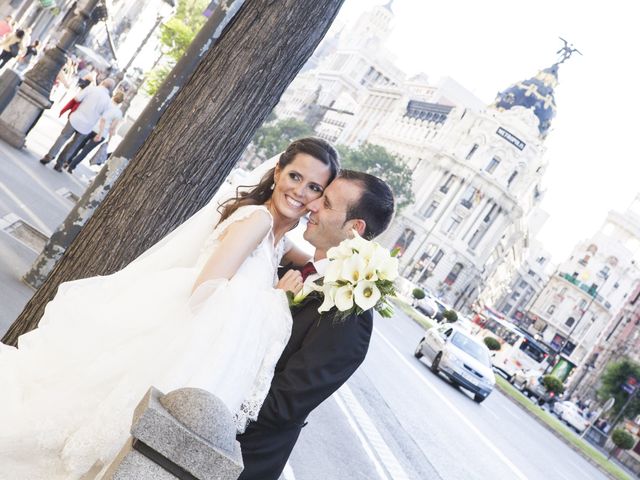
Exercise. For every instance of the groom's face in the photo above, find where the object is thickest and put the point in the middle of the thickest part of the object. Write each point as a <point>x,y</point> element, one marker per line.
<point>327,225</point>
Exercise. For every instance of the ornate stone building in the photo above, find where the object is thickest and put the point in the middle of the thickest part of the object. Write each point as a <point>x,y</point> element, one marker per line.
<point>477,168</point>
<point>581,308</point>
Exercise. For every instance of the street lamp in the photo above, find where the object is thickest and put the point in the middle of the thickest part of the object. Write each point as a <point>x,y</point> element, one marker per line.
<point>32,97</point>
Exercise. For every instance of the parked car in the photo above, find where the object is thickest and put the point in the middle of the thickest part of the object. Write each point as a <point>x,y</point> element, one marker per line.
<point>530,383</point>
<point>432,308</point>
<point>461,357</point>
<point>570,413</point>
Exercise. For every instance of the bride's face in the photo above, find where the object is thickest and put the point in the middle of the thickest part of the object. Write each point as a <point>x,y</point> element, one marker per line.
<point>297,184</point>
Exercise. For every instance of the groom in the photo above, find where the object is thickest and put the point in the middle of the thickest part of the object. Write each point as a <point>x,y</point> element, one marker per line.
<point>321,354</point>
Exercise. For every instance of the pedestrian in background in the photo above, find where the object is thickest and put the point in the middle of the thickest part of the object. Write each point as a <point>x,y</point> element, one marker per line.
<point>94,102</point>
<point>6,26</point>
<point>105,129</point>
<point>11,46</point>
<point>30,53</point>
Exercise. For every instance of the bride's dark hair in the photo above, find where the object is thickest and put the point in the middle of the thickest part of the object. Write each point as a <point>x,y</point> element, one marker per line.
<point>258,195</point>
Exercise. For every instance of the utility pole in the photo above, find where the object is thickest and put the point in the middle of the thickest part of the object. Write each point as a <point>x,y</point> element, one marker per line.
<point>67,231</point>
<point>195,144</point>
<point>32,96</point>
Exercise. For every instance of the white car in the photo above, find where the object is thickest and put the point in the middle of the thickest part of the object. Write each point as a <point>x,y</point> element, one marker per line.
<point>571,415</point>
<point>462,358</point>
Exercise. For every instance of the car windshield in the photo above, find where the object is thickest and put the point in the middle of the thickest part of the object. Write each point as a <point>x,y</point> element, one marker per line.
<point>470,347</point>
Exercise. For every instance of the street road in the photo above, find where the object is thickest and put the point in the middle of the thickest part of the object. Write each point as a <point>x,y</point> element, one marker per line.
<point>396,420</point>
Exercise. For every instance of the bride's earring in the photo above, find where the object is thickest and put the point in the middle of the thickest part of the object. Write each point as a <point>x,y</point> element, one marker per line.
<point>273,185</point>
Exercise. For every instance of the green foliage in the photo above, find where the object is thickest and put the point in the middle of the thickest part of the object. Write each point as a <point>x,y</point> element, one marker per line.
<point>271,139</point>
<point>492,343</point>
<point>553,384</point>
<point>622,439</point>
<point>175,37</point>
<point>615,375</point>
<point>418,293</point>
<point>450,316</point>
<point>377,161</point>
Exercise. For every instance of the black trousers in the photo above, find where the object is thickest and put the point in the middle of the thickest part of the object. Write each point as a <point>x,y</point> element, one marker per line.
<point>87,145</point>
<point>265,451</point>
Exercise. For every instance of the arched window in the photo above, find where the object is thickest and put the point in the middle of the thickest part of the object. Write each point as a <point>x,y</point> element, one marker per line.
<point>570,321</point>
<point>404,241</point>
<point>592,249</point>
<point>551,309</point>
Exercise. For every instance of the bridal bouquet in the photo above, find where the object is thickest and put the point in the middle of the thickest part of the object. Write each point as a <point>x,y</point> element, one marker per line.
<point>359,276</point>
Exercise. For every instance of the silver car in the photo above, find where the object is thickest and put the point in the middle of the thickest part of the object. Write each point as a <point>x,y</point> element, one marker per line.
<point>461,357</point>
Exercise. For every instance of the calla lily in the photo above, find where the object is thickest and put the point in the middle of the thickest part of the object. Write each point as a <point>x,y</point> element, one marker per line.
<point>342,251</point>
<point>334,270</point>
<point>344,298</point>
<point>329,292</point>
<point>358,243</point>
<point>307,287</point>
<point>366,295</point>
<point>388,270</point>
<point>353,268</point>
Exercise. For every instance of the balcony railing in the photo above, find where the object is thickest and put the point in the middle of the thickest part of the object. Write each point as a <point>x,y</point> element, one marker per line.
<point>466,203</point>
<point>444,189</point>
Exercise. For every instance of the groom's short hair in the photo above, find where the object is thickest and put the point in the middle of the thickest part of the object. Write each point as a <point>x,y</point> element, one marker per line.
<point>375,206</point>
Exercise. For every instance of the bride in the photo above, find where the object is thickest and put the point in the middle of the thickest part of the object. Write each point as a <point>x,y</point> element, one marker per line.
<point>199,309</point>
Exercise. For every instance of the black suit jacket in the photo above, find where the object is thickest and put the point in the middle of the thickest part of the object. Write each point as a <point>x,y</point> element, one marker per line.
<point>320,356</point>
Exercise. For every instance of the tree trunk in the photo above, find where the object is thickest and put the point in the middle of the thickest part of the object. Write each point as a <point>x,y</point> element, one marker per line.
<point>196,142</point>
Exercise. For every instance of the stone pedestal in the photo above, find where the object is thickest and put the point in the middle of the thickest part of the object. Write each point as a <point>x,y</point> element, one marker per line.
<point>9,82</point>
<point>186,434</point>
<point>22,113</point>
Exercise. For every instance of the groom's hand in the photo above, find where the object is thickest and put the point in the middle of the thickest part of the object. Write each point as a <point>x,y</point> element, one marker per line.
<point>291,282</point>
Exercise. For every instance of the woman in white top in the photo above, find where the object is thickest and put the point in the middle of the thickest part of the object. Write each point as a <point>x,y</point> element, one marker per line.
<point>199,309</point>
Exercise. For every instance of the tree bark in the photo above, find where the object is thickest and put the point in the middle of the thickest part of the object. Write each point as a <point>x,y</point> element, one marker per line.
<point>196,142</point>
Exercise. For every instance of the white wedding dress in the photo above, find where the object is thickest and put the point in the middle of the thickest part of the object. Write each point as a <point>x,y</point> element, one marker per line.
<point>68,392</point>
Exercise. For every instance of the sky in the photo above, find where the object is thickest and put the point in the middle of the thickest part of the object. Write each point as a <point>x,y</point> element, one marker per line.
<point>487,46</point>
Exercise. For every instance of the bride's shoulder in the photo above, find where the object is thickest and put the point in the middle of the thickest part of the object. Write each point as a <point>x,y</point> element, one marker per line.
<point>258,212</point>
<point>246,219</point>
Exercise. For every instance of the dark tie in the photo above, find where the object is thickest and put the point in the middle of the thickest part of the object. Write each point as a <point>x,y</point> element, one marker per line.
<point>307,269</point>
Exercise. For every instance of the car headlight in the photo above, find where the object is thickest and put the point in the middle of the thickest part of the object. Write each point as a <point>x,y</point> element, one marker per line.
<point>452,360</point>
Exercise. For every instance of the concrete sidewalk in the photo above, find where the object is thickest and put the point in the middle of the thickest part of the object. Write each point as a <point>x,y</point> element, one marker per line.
<point>34,200</point>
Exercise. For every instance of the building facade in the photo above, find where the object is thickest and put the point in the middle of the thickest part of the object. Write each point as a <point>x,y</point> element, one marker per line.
<point>578,310</point>
<point>478,168</point>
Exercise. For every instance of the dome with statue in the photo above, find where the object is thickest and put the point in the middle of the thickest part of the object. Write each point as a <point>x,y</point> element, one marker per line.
<point>535,93</point>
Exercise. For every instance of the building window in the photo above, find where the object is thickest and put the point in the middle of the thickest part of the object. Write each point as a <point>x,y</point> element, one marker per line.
<point>404,241</point>
<point>506,309</point>
<point>585,260</point>
<point>563,291</point>
<point>467,198</point>
<point>523,284</point>
<point>570,321</point>
<point>475,238</point>
<point>472,151</point>
<point>493,164</point>
<point>541,260</point>
<point>453,274</point>
<point>430,210</point>
<point>451,226</point>
<point>583,304</point>
<point>604,273</point>
<point>551,309</point>
<point>491,214</point>
<point>514,174</point>
<point>592,249</point>
<point>515,295</point>
<point>447,185</point>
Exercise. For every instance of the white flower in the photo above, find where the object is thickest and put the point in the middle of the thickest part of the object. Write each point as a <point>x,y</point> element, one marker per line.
<point>329,292</point>
<point>344,298</point>
<point>342,251</point>
<point>307,287</point>
<point>358,243</point>
<point>366,295</point>
<point>334,270</point>
<point>353,268</point>
<point>389,269</point>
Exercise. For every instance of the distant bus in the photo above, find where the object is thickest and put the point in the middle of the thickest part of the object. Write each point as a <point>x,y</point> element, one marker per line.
<point>519,350</point>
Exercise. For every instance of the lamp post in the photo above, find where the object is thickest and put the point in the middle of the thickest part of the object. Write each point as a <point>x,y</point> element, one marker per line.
<point>32,97</point>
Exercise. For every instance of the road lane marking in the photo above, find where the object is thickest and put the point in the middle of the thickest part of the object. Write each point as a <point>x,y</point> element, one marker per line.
<point>354,426</point>
<point>457,412</point>
<point>34,217</point>
<point>287,473</point>
<point>372,434</point>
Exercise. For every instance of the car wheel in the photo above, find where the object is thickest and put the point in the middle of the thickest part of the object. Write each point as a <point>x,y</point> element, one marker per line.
<point>418,352</point>
<point>435,364</point>
<point>478,398</point>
